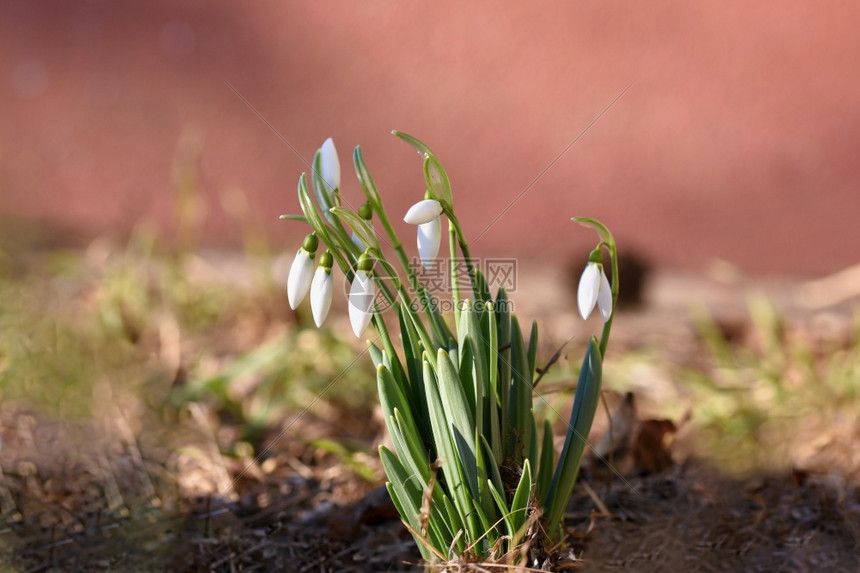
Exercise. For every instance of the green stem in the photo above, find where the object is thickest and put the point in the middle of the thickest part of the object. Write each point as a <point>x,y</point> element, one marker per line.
<point>607,327</point>
<point>455,284</point>
<point>464,248</point>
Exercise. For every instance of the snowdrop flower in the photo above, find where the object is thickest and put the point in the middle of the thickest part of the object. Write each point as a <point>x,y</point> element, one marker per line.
<point>361,295</point>
<point>321,289</point>
<point>426,215</point>
<point>594,289</point>
<point>302,271</point>
<point>429,237</point>
<point>330,165</point>
<point>423,212</point>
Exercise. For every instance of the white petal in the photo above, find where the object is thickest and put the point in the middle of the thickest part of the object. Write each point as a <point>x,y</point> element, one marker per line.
<point>330,164</point>
<point>358,242</point>
<point>361,295</point>
<point>429,237</point>
<point>604,297</point>
<point>321,290</point>
<point>589,285</point>
<point>299,281</point>
<point>423,212</point>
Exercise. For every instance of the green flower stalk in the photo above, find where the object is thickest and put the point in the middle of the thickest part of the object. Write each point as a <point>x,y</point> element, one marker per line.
<point>472,472</point>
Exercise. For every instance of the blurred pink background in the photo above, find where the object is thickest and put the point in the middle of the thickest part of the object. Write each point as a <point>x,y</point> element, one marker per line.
<point>738,138</point>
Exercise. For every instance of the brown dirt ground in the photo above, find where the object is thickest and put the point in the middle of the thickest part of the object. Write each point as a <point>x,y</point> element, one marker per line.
<point>116,504</point>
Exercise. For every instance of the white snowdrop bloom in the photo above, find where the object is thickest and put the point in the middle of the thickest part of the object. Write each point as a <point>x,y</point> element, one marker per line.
<point>423,212</point>
<point>429,238</point>
<point>361,295</point>
<point>594,289</point>
<point>604,297</point>
<point>321,291</point>
<point>330,164</point>
<point>299,281</point>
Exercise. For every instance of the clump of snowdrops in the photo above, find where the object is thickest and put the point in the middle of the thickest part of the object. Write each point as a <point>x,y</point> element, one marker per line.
<point>473,474</point>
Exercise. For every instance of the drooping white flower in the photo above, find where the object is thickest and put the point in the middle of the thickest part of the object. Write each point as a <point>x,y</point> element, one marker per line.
<point>594,289</point>
<point>330,165</point>
<point>423,212</point>
<point>604,297</point>
<point>321,291</point>
<point>429,238</point>
<point>361,295</point>
<point>426,215</point>
<point>299,281</point>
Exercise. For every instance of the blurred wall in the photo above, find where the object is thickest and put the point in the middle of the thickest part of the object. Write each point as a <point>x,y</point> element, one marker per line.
<point>738,138</point>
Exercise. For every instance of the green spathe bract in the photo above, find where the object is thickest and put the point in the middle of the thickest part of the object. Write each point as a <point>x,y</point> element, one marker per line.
<point>471,472</point>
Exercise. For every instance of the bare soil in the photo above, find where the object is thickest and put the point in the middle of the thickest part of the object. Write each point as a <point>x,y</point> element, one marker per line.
<point>117,505</point>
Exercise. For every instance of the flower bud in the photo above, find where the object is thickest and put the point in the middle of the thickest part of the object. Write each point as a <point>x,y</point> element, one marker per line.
<point>321,292</point>
<point>594,288</point>
<point>329,165</point>
<point>361,295</point>
<point>299,280</point>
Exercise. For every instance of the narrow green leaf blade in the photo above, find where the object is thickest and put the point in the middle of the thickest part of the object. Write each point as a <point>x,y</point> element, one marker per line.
<point>520,502</point>
<point>419,145</point>
<point>363,229</point>
<point>461,424</point>
<point>547,461</point>
<point>585,404</point>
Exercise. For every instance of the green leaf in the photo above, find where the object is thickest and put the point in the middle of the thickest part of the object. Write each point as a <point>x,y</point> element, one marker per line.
<point>375,355</point>
<point>503,509</point>
<point>520,408</point>
<point>547,461</point>
<point>451,467</point>
<point>366,180</point>
<point>601,229</point>
<point>503,321</point>
<point>461,424</point>
<point>363,229</point>
<point>404,437</point>
<point>485,460</point>
<point>412,354</point>
<point>520,502</point>
<point>533,345</point>
<point>392,395</point>
<point>581,418</point>
<point>415,452</point>
<point>533,441</point>
<point>407,492</point>
<point>301,218</point>
<point>437,180</point>
<point>456,526</point>
<point>489,534</point>
<point>408,497</point>
<point>467,371</point>
<point>481,343</point>
<point>492,466</point>
<point>481,288</point>
<point>492,399</point>
<point>311,214</point>
<point>419,146</point>
<point>401,510</point>
<point>391,359</point>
